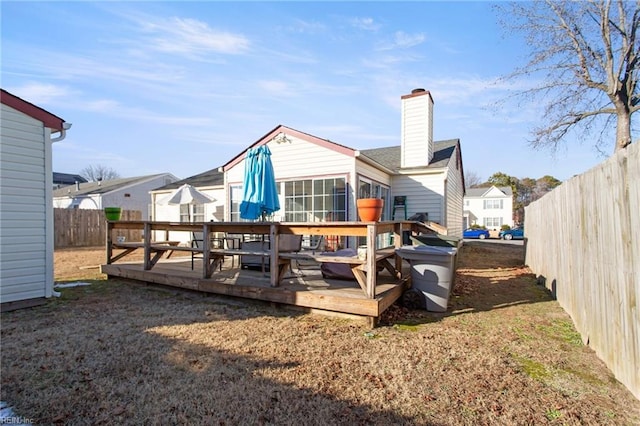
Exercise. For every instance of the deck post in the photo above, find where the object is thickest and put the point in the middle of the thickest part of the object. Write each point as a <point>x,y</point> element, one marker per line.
<point>147,246</point>
<point>397,242</point>
<point>206,251</point>
<point>109,241</point>
<point>274,238</point>
<point>372,232</point>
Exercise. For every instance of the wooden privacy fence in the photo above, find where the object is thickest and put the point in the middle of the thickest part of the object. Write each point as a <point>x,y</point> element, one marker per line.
<point>583,241</point>
<point>87,228</point>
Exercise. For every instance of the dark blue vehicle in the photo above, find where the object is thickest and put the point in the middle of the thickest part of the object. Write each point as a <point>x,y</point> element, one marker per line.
<point>512,234</point>
<point>475,233</point>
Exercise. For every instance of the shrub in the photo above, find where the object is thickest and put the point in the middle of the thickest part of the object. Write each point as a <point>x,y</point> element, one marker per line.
<point>476,226</point>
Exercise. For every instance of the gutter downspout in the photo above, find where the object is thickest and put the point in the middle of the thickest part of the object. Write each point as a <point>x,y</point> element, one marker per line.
<point>63,134</point>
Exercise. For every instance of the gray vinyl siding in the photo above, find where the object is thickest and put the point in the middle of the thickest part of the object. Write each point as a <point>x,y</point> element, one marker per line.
<point>424,192</point>
<point>26,267</point>
<point>454,198</point>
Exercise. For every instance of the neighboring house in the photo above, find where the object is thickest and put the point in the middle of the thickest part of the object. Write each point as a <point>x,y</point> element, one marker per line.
<point>210,183</point>
<point>26,218</point>
<point>127,193</point>
<point>491,207</point>
<point>66,179</point>
<point>320,180</point>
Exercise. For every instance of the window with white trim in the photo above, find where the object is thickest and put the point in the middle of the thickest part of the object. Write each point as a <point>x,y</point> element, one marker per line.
<point>191,213</point>
<point>315,200</point>
<point>493,204</point>
<point>368,188</point>
<point>235,196</point>
<point>492,221</point>
<point>308,200</point>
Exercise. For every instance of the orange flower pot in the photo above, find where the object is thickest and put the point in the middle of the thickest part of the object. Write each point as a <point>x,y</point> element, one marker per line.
<point>370,209</point>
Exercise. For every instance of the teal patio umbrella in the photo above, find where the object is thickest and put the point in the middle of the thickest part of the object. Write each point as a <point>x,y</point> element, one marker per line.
<point>260,193</point>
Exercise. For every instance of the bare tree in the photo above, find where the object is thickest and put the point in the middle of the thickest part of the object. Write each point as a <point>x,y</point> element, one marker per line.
<point>472,179</point>
<point>94,173</point>
<point>587,53</point>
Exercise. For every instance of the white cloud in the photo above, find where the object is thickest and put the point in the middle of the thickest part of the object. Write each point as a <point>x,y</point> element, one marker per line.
<point>306,27</point>
<point>112,108</point>
<point>108,65</point>
<point>402,40</point>
<point>192,38</point>
<point>387,61</point>
<point>40,93</point>
<point>280,88</point>
<point>405,40</point>
<point>365,24</point>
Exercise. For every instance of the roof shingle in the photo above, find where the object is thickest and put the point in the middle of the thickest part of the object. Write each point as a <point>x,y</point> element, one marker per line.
<point>389,157</point>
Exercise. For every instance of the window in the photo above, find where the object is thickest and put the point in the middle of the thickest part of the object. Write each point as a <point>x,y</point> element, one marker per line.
<point>309,200</point>
<point>370,189</point>
<point>493,204</point>
<point>236,199</point>
<point>191,213</point>
<point>492,221</point>
<point>315,200</point>
<point>198,213</point>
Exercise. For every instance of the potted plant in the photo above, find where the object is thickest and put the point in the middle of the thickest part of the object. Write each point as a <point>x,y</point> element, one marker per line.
<point>113,213</point>
<point>369,209</point>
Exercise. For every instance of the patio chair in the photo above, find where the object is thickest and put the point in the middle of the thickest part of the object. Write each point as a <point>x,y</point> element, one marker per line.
<point>286,244</point>
<point>197,241</point>
<point>233,242</point>
<point>315,244</point>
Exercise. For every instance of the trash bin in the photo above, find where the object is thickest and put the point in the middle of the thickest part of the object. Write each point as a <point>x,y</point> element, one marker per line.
<point>438,240</point>
<point>432,275</point>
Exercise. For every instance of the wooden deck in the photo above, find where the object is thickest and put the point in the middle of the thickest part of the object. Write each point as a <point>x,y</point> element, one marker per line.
<point>369,295</point>
<point>304,288</point>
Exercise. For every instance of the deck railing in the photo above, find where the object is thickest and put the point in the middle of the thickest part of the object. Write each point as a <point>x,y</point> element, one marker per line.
<point>368,230</point>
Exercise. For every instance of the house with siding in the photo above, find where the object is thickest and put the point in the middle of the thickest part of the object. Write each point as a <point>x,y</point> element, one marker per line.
<point>491,207</point>
<point>210,183</point>
<point>320,180</point>
<point>66,179</point>
<point>26,184</point>
<point>131,193</point>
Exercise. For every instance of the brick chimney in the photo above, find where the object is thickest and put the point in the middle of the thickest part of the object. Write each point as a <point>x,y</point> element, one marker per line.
<point>416,134</point>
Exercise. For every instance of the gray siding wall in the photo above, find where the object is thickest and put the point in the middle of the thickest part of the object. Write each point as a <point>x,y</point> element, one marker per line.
<point>26,247</point>
<point>425,193</point>
<point>454,198</point>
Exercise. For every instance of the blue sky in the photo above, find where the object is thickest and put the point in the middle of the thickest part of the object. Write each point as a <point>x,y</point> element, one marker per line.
<point>183,87</point>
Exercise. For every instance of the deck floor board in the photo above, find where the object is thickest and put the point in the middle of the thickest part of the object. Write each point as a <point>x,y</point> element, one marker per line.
<point>306,288</point>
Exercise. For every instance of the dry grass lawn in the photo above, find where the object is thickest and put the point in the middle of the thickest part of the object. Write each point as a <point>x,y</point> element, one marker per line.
<point>128,354</point>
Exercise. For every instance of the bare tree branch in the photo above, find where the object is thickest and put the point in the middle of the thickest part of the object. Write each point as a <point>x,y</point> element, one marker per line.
<point>472,179</point>
<point>585,57</point>
<point>94,173</point>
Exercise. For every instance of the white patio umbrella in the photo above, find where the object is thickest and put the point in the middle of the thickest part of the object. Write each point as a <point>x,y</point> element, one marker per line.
<point>187,194</point>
